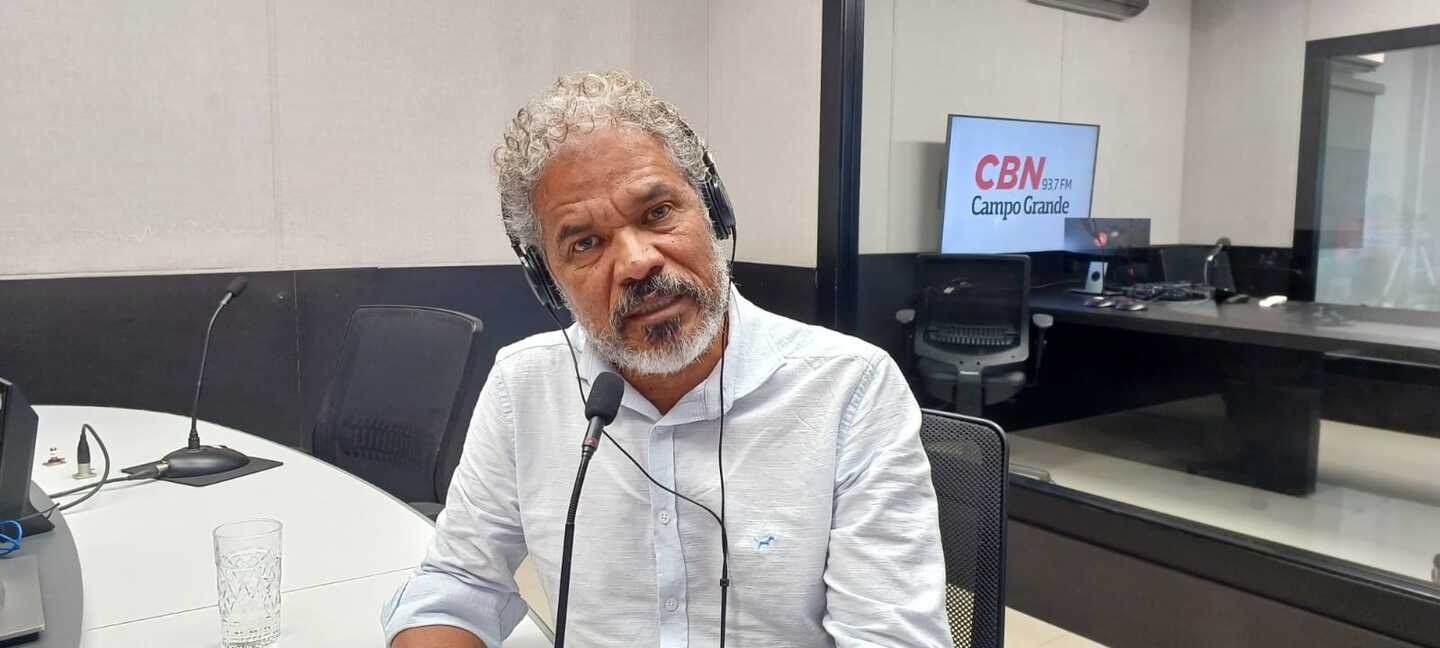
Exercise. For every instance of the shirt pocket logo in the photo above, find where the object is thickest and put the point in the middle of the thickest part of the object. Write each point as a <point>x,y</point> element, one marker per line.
<point>764,543</point>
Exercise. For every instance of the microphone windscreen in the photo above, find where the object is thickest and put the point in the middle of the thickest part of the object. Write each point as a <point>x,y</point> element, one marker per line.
<point>1224,241</point>
<point>237,286</point>
<point>605,395</point>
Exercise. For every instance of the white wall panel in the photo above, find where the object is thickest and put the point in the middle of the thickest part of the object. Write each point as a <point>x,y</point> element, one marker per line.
<point>134,136</point>
<point>170,136</point>
<point>1016,59</point>
<point>1243,134</point>
<point>765,123</point>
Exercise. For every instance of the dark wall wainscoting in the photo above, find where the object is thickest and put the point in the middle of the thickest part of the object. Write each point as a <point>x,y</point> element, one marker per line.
<point>1123,601</point>
<point>786,290</point>
<point>887,283</point>
<point>135,341</point>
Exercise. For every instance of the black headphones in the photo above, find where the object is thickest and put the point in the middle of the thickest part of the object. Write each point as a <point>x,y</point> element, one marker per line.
<point>712,193</point>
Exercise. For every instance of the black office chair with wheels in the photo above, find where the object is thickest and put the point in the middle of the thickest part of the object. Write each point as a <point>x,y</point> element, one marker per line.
<point>398,407</point>
<point>970,334</point>
<point>968,458</point>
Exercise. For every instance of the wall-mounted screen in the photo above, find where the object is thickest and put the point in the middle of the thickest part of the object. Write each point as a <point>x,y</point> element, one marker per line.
<point>1010,184</point>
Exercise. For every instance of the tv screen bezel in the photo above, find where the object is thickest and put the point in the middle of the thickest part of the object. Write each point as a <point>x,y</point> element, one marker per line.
<point>945,174</point>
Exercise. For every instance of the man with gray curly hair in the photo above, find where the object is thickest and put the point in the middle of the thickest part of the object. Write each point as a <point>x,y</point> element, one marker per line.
<point>806,444</point>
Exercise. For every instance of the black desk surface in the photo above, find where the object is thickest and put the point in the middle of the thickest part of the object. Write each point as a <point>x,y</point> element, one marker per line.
<point>1360,331</point>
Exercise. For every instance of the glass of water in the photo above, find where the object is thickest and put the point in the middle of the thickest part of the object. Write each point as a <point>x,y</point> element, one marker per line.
<point>247,566</point>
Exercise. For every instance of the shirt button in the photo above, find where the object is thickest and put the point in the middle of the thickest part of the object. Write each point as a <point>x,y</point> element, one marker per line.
<point>672,604</point>
<point>664,517</point>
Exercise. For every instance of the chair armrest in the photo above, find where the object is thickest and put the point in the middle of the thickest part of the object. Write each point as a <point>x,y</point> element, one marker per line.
<point>428,509</point>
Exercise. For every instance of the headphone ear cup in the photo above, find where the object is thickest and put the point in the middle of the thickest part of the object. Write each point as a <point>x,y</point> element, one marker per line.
<point>538,276</point>
<point>722,213</point>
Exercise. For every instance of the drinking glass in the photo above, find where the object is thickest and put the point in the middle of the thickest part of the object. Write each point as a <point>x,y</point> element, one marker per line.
<point>247,575</point>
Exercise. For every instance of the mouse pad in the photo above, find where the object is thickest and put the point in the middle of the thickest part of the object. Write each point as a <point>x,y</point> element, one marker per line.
<point>255,465</point>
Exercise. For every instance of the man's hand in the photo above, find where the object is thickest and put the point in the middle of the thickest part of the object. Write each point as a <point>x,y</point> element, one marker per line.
<point>436,636</point>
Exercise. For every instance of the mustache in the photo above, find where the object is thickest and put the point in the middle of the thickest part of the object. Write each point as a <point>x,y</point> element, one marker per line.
<point>659,286</point>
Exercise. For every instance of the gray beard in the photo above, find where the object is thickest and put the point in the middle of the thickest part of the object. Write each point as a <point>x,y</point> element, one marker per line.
<point>668,349</point>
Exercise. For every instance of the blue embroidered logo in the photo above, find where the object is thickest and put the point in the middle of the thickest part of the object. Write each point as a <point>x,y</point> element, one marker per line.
<point>764,542</point>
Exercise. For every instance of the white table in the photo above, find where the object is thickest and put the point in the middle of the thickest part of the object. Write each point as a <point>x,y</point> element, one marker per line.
<point>145,547</point>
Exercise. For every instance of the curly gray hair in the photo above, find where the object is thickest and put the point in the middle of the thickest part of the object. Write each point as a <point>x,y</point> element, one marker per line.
<point>581,103</point>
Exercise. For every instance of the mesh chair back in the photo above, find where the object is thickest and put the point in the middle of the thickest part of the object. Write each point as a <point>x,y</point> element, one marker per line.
<point>974,311</point>
<point>968,458</point>
<point>400,402</point>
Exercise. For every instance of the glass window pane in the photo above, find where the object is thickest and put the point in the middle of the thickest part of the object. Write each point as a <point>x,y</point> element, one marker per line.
<point>1380,181</point>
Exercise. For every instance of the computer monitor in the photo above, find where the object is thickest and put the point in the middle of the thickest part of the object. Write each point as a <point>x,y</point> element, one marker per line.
<point>18,424</point>
<point>1010,184</point>
<point>1106,236</point>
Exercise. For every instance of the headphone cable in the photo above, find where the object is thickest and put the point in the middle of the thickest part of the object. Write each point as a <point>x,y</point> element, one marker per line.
<point>719,519</point>
<point>720,441</point>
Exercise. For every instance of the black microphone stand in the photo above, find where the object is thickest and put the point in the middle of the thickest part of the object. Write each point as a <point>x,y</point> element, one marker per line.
<point>1220,246</point>
<point>601,408</point>
<point>196,460</point>
<point>564,600</point>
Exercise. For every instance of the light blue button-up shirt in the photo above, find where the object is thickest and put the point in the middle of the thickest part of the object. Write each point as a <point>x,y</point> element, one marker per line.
<point>832,520</point>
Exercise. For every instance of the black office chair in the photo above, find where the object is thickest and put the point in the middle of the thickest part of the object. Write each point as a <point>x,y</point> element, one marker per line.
<point>968,458</point>
<point>401,399</point>
<point>970,334</point>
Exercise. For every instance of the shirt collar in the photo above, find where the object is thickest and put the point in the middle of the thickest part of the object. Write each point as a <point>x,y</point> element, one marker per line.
<point>751,357</point>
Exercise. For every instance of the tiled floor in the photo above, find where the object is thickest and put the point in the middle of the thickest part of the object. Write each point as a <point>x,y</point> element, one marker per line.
<point>1375,503</point>
<point>1021,630</point>
<point>1025,631</point>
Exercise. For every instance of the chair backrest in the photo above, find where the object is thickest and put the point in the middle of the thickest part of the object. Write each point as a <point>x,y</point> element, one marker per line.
<point>398,407</point>
<point>968,465</point>
<point>976,315</point>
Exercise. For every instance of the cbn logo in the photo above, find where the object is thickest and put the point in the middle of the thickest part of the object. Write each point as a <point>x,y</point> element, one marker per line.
<point>1013,173</point>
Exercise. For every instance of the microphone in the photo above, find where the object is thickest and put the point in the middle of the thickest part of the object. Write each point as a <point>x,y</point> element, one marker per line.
<point>1220,244</point>
<point>600,408</point>
<point>194,459</point>
<point>237,286</point>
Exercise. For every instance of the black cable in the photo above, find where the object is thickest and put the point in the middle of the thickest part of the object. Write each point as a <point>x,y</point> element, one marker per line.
<point>72,491</point>
<point>95,488</point>
<point>578,386</point>
<point>719,519</point>
<point>660,485</point>
<point>149,472</point>
<point>617,444</point>
<point>720,468</point>
<point>104,476</point>
<point>45,513</point>
<point>720,448</point>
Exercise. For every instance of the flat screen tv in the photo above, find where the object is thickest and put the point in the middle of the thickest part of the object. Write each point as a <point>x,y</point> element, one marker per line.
<point>1010,184</point>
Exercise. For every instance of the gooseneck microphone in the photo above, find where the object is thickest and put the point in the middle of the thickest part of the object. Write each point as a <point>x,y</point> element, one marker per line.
<point>600,408</point>
<point>1220,244</point>
<point>236,287</point>
<point>194,459</point>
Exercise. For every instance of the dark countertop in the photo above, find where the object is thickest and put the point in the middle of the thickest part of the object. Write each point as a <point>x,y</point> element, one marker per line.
<point>1360,331</point>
